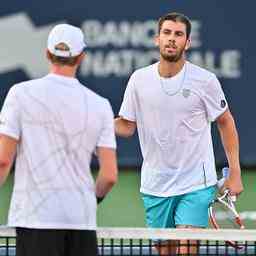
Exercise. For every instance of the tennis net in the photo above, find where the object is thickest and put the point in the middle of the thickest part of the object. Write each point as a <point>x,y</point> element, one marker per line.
<point>141,241</point>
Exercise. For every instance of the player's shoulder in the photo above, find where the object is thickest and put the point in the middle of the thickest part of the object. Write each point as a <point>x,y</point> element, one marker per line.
<point>92,95</point>
<point>95,99</point>
<point>198,73</point>
<point>201,80</point>
<point>144,71</point>
<point>20,87</point>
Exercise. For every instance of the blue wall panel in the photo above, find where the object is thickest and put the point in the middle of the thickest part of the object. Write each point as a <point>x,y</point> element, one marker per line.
<point>119,37</point>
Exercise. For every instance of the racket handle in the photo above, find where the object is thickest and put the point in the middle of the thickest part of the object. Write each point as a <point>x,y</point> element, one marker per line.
<point>225,173</point>
<point>220,183</point>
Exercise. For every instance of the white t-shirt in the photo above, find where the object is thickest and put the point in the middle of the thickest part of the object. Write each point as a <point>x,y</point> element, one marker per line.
<point>174,127</point>
<point>59,123</point>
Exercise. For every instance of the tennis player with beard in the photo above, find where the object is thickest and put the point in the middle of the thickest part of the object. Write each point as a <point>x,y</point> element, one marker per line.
<point>172,103</point>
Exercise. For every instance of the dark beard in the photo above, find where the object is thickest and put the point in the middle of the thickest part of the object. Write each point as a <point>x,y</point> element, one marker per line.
<point>173,58</point>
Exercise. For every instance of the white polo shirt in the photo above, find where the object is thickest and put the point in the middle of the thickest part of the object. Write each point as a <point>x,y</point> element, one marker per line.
<point>59,123</point>
<point>173,118</point>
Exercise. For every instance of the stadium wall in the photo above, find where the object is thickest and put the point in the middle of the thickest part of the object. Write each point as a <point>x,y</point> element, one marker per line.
<point>119,37</point>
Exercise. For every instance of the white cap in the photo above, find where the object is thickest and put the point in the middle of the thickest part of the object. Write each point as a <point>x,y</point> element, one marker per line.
<point>69,35</point>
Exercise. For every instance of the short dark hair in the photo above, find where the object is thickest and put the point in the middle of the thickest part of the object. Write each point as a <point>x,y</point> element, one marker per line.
<point>176,17</point>
<point>63,61</point>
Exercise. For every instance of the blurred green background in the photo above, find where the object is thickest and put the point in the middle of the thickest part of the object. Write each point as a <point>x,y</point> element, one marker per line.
<point>123,206</point>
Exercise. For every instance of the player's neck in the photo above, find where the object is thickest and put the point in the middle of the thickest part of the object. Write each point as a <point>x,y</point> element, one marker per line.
<point>63,70</point>
<point>169,69</point>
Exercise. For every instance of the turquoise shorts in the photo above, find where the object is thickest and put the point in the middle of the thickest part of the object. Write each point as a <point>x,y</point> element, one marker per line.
<point>188,209</point>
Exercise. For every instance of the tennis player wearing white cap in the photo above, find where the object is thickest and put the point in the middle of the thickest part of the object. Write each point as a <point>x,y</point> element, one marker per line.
<point>53,125</point>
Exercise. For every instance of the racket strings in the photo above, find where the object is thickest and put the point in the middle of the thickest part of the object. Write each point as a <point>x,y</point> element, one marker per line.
<point>224,213</point>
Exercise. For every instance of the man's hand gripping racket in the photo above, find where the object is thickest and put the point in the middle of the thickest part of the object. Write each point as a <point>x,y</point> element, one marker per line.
<point>225,205</point>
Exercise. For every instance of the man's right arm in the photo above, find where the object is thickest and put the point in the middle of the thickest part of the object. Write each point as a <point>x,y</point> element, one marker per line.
<point>124,128</point>
<point>8,147</point>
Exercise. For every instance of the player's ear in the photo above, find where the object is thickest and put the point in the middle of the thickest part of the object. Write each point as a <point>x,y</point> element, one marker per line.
<point>47,53</point>
<point>156,40</point>
<point>188,44</point>
<point>81,58</point>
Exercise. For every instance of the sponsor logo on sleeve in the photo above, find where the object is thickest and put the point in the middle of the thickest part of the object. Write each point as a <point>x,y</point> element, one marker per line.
<point>223,103</point>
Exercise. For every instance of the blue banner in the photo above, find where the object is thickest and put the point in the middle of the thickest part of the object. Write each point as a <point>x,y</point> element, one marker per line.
<point>119,35</point>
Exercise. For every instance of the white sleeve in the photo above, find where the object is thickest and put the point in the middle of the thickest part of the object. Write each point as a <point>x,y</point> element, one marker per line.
<point>107,136</point>
<point>127,110</point>
<point>10,116</point>
<point>214,99</point>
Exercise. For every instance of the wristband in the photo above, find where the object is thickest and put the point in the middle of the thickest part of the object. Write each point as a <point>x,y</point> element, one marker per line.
<point>99,199</point>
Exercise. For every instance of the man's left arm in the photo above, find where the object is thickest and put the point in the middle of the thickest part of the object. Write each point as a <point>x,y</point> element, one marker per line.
<point>8,146</point>
<point>230,141</point>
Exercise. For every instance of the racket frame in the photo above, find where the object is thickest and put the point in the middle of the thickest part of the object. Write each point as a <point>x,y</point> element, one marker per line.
<point>229,203</point>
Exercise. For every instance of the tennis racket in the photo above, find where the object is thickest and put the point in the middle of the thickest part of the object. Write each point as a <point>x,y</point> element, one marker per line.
<point>223,214</point>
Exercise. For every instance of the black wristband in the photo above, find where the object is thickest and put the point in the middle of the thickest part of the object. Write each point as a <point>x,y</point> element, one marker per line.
<point>100,199</point>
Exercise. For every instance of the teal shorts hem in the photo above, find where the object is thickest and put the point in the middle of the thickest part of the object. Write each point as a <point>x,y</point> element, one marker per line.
<point>190,209</point>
